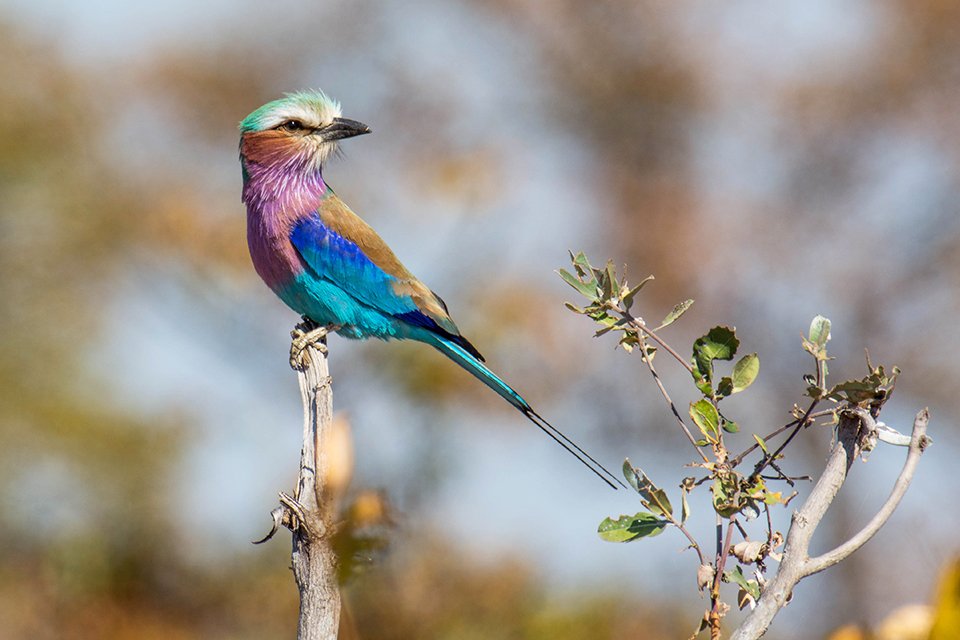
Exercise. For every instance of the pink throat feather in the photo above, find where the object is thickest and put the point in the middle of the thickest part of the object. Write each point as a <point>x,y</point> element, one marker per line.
<point>278,195</point>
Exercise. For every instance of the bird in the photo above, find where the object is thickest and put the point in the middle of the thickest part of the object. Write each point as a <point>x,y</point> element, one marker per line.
<point>330,266</point>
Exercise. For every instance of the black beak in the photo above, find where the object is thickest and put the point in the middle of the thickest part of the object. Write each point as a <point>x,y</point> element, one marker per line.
<point>341,128</point>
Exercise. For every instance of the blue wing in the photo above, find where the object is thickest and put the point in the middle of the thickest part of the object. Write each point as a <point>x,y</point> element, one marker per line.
<point>339,260</point>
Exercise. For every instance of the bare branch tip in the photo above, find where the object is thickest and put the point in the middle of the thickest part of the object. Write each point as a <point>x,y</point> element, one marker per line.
<point>277,515</point>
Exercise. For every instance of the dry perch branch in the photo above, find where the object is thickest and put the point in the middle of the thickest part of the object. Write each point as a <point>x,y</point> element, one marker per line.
<point>307,513</point>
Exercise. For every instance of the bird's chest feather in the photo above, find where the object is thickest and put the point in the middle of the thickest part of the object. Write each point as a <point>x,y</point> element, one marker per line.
<point>274,257</point>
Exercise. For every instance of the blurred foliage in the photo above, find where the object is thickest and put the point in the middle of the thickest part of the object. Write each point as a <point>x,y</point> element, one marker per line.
<point>946,613</point>
<point>430,590</point>
<point>438,593</point>
<point>937,621</point>
<point>621,82</point>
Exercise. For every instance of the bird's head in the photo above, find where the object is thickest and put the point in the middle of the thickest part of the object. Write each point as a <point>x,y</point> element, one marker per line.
<point>297,132</point>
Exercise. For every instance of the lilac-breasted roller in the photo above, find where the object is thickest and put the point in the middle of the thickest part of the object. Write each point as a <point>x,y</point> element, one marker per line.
<point>330,266</point>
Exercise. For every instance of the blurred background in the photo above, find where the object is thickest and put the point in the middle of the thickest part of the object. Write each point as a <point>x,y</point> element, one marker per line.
<point>771,160</point>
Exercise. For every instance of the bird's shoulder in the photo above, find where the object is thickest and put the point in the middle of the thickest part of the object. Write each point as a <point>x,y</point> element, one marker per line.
<point>337,217</point>
<point>340,219</point>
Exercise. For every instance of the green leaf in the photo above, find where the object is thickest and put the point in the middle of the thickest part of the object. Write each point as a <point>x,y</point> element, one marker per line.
<point>726,495</point>
<point>573,307</point>
<point>751,587</point>
<point>819,331</point>
<point>675,313</point>
<point>773,497</point>
<point>720,343</point>
<point>814,392</point>
<point>609,280</point>
<point>761,442</point>
<point>705,416</point>
<point>731,427</point>
<point>627,528</point>
<point>654,498</point>
<point>630,474</point>
<point>725,386</point>
<point>684,507</point>
<point>609,323</point>
<point>587,289</point>
<point>704,386</point>
<point>630,340</point>
<point>580,263</point>
<point>745,372</point>
<point>857,391</point>
<point>627,297</point>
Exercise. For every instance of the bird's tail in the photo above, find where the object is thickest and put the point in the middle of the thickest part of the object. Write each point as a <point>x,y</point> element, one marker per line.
<point>470,362</point>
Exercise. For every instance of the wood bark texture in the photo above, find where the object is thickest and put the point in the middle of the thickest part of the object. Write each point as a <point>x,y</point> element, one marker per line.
<point>314,561</point>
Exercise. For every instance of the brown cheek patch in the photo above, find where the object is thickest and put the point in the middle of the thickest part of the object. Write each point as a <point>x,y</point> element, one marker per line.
<point>268,147</point>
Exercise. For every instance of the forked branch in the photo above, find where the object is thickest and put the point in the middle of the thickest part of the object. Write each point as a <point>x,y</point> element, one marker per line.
<point>856,428</point>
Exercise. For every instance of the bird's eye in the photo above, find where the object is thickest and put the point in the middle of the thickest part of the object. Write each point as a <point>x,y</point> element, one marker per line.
<point>292,125</point>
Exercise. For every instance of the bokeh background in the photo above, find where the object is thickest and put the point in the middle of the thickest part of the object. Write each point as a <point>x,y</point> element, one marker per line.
<point>771,160</point>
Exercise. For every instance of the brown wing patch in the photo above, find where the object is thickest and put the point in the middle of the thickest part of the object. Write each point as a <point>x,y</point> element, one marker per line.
<point>338,217</point>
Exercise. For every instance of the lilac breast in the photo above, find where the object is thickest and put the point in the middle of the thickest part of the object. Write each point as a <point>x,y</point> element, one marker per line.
<point>277,198</point>
<point>274,257</point>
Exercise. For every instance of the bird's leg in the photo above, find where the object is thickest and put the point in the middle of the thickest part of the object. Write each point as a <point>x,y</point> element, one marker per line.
<point>307,334</point>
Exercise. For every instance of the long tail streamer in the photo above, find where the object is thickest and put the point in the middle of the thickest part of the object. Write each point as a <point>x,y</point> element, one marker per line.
<point>489,378</point>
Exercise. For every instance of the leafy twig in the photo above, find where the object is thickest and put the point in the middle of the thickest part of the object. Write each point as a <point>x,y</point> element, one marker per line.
<point>639,324</point>
<point>857,405</point>
<point>663,391</point>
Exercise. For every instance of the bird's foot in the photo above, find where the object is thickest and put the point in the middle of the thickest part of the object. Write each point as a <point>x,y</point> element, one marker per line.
<point>307,334</point>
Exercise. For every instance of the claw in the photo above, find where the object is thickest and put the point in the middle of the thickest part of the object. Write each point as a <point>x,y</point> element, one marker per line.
<point>306,334</point>
<point>295,508</point>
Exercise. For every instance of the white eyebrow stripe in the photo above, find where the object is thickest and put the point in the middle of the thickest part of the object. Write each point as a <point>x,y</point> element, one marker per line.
<point>309,117</point>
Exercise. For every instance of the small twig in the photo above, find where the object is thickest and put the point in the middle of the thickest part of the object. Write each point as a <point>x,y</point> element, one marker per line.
<point>740,528</point>
<point>790,480</point>
<point>800,424</point>
<point>663,391</point>
<point>679,525</point>
<point>693,543</point>
<point>766,509</point>
<point>783,476</point>
<point>723,550</point>
<point>637,323</point>
<point>737,459</point>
